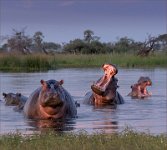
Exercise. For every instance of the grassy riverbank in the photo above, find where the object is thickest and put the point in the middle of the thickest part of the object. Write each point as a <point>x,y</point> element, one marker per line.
<point>124,141</point>
<point>46,62</point>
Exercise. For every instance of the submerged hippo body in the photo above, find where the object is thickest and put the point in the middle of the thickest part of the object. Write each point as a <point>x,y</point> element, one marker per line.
<point>51,101</point>
<point>17,100</point>
<point>104,91</point>
<point>139,90</point>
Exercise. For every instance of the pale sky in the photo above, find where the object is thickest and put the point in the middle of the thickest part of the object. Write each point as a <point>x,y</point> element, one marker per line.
<point>65,20</point>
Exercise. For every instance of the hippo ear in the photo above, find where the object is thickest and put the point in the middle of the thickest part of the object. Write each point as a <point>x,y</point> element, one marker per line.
<point>43,82</point>
<point>61,82</point>
<point>102,65</point>
<point>4,94</point>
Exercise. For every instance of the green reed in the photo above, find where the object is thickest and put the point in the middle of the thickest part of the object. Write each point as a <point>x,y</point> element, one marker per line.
<point>40,62</point>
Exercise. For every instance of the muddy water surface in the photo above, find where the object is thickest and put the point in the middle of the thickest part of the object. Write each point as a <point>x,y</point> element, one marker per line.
<point>149,115</point>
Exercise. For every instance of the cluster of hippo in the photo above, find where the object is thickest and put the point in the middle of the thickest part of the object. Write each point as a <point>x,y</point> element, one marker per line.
<point>52,101</point>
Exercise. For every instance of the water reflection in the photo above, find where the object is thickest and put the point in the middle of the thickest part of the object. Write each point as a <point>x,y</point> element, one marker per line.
<point>56,125</point>
<point>109,125</point>
<point>143,115</point>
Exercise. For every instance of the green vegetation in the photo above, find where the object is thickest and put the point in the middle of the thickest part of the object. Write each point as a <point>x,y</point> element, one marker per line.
<point>19,42</point>
<point>70,141</point>
<point>41,62</point>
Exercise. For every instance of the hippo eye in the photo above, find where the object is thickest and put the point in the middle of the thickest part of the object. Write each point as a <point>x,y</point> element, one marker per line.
<point>48,86</point>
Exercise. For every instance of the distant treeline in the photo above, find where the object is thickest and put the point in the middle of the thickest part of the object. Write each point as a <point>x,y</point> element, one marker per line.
<point>90,44</point>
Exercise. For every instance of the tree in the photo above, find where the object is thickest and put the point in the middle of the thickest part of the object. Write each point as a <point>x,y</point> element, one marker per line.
<point>124,45</point>
<point>75,46</point>
<point>162,38</point>
<point>79,46</point>
<point>96,47</point>
<point>88,35</point>
<point>162,41</point>
<point>147,47</point>
<point>51,45</point>
<point>38,40</point>
<point>19,42</point>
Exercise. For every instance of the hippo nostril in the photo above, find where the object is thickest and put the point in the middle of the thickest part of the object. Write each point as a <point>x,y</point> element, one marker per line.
<point>51,94</point>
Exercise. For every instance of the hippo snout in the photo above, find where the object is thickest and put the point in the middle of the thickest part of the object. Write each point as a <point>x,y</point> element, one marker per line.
<point>52,100</point>
<point>53,95</point>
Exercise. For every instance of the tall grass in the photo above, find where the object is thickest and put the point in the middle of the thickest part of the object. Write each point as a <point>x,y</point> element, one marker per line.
<point>45,62</point>
<point>69,141</point>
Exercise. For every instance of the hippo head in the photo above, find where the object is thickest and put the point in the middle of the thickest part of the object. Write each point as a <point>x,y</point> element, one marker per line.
<point>50,95</point>
<point>139,90</point>
<point>50,101</point>
<point>104,89</point>
<point>145,81</point>
<point>11,98</point>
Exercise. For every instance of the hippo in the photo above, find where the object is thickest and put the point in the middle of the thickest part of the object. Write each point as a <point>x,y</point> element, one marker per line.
<point>139,90</point>
<point>17,100</point>
<point>104,91</point>
<point>50,101</point>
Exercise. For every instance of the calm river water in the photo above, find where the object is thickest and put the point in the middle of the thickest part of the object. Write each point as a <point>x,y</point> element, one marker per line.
<point>149,115</point>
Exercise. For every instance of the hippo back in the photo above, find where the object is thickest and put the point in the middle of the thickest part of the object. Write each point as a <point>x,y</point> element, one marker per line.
<point>31,105</point>
<point>71,106</point>
<point>119,98</point>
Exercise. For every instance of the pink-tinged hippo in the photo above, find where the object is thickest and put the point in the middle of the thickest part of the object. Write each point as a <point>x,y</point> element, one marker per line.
<point>17,100</point>
<point>139,90</point>
<point>104,91</point>
<point>50,101</point>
